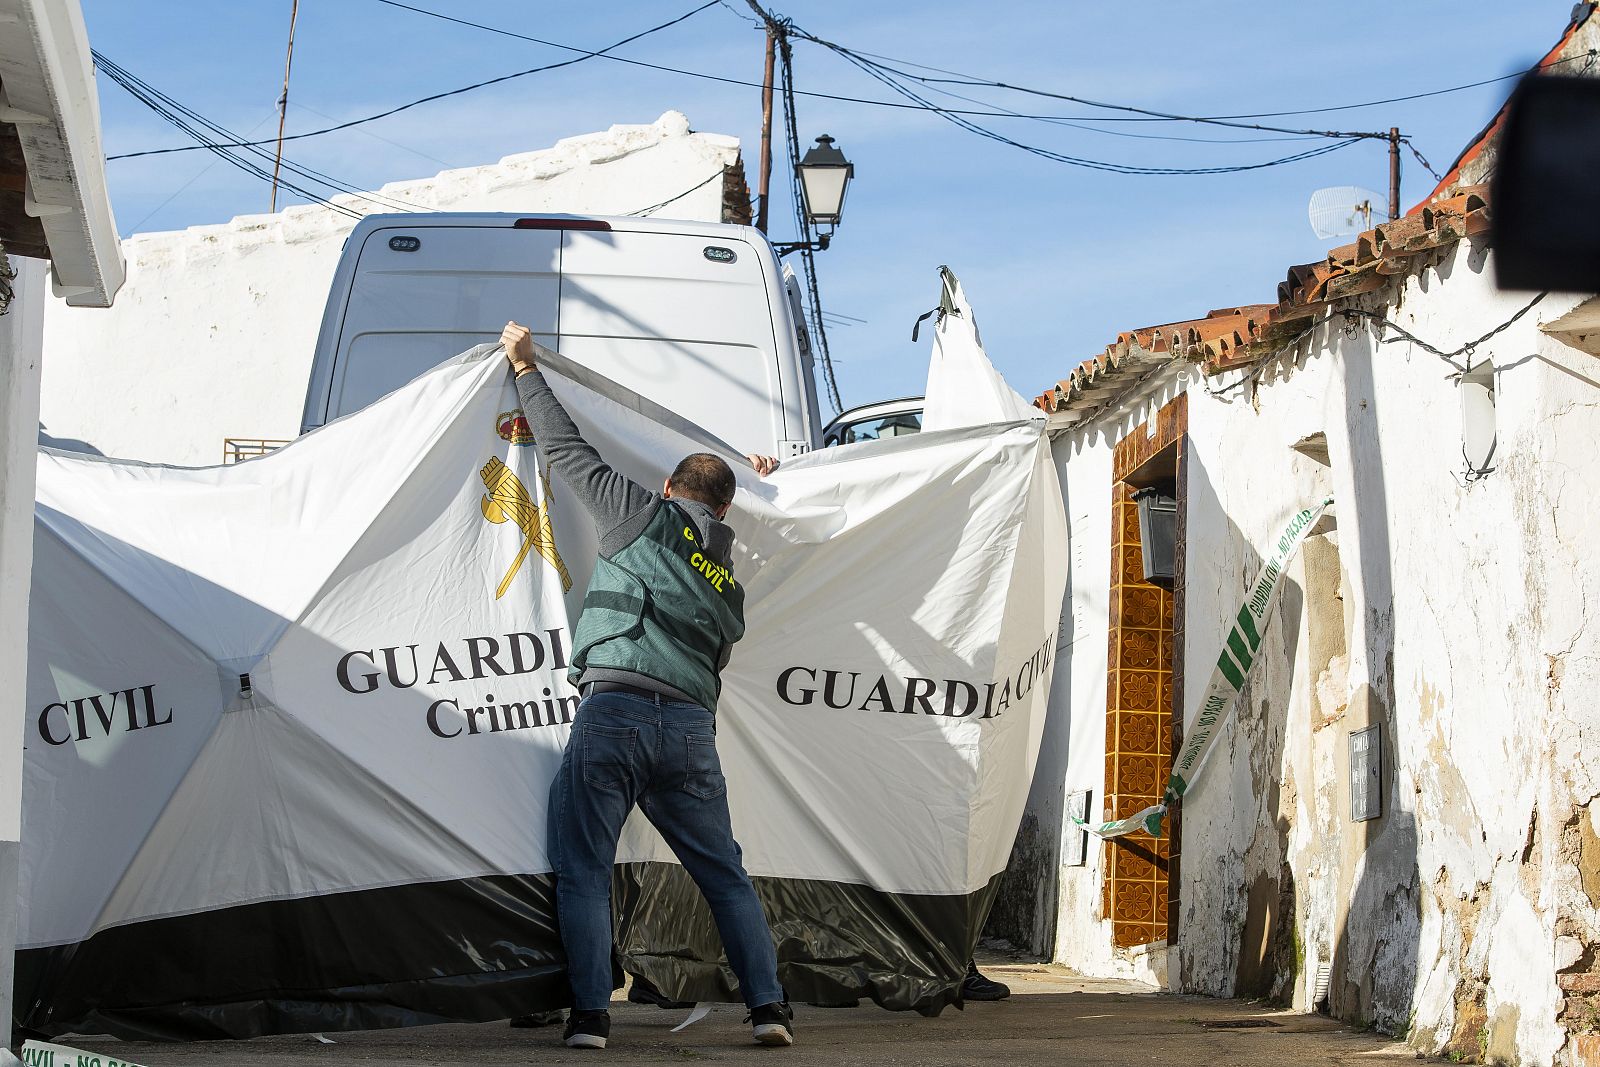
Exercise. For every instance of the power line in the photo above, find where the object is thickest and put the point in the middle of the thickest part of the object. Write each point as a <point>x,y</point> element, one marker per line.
<point>1076,125</point>
<point>375,136</point>
<point>586,54</point>
<point>883,75</point>
<point>1165,116</point>
<point>202,129</point>
<point>202,172</point>
<point>146,97</point>
<point>129,81</point>
<point>673,199</point>
<point>957,77</point>
<point>808,261</point>
<point>1412,96</point>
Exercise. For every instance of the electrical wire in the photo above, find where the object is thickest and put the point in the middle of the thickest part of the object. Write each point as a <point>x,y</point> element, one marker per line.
<point>1472,472</point>
<point>979,80</point>
<point>1450,357</point>
<point>883,75</point>
<point>201,173</point>
<point>586,54</point>
<point>924,106</point>
<point>1149,115</point>
<point>1422,159</point>
<point>139,92</point>
<point>1163,116</point>
<point>808,261</point>
<point>193,123</point>
<point>653,207</point>
<point>1082,125</point>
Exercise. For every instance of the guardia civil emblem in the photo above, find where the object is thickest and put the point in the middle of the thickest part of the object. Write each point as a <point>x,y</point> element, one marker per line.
<point>507,500</point>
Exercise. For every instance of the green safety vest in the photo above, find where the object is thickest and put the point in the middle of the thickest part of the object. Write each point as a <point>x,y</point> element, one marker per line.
<point>658,607</point>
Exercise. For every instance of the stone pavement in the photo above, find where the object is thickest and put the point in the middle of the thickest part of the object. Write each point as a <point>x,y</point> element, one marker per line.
<point>1053,1017</point>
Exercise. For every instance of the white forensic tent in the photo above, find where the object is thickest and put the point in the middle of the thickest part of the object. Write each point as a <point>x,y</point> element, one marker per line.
<point>964,388</point>
<point>292,722</point>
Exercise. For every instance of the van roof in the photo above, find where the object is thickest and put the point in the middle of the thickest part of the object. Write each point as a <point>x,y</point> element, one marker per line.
<point>623,223</point>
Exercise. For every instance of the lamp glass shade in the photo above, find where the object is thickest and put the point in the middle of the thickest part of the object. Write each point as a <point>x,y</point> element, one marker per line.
<point>824,191</point>
<point>824,176</point>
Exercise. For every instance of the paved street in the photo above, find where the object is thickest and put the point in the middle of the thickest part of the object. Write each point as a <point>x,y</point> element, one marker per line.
<point>1053,1017</point>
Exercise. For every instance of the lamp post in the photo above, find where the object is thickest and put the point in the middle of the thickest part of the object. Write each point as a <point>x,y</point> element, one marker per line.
<point>824,179</point>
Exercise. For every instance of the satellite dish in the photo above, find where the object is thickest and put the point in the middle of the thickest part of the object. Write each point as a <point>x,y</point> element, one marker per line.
<point>1343,211</point>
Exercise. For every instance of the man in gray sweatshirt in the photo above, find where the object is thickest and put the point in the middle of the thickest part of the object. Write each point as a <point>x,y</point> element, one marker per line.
<point>659,619</point>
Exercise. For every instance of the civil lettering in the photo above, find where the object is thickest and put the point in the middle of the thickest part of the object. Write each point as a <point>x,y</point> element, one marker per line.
<point>95,715</point>
<point>44,725</point>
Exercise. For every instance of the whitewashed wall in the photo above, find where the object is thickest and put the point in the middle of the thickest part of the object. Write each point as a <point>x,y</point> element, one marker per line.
<point>21,331</point>
<point>1454,614</point>
<point>212,335</point>
<point>1078,693</point>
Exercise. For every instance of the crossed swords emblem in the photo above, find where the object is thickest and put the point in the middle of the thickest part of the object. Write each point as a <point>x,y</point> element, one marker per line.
<point>507,500</point>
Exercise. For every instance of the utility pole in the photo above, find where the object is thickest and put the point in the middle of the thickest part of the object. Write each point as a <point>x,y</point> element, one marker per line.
<point>764,180</point>
<point>764,174</point>
<point>283,101</point>
<point>1394,173</point>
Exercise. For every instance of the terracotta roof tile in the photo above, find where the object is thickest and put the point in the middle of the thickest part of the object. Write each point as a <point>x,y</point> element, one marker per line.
<point>1236,336</point>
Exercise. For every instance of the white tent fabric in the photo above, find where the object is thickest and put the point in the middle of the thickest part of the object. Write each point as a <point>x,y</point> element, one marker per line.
<point>292,678</point>
<point>964,388</point>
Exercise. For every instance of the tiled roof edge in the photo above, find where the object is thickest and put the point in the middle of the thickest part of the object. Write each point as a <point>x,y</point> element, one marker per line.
<point>1238,336</point>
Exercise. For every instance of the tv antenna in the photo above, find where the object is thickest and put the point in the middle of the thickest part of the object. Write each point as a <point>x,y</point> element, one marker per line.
<point>1343,210</point>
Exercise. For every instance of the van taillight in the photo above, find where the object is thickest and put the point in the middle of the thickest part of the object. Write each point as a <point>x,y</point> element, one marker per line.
<point>561,224</point>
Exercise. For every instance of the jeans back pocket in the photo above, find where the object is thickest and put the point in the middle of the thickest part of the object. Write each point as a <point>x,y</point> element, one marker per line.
<point>703,770</point>
<point>608,754</point>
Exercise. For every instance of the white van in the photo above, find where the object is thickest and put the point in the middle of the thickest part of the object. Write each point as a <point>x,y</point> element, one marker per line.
<point>699,317</point>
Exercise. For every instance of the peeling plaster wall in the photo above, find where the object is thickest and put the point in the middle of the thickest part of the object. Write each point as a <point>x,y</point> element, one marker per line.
<point>1463,607</point>
<point>212,335</point>
<point>1453,614</point>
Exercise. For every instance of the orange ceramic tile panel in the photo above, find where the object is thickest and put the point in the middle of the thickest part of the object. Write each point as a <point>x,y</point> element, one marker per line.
<point>1143,689</point>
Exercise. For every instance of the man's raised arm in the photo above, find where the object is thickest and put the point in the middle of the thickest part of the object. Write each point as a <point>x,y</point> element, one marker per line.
<point>610,497</point>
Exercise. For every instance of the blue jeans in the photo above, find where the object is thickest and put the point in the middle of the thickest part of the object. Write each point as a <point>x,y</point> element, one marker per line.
<point>662,755</point>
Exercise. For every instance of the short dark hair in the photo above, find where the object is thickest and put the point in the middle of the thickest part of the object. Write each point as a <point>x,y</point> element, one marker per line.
<point>704,477</point>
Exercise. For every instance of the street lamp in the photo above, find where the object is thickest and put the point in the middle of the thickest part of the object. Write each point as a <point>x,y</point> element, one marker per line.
<point>824,177</point>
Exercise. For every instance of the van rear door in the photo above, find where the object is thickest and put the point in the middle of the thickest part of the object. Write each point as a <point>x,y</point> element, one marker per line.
<point>423,294</point>
<point>682,319</point>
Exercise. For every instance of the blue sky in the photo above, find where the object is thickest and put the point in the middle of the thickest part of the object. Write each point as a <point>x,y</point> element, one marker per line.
<point>1057,259</point>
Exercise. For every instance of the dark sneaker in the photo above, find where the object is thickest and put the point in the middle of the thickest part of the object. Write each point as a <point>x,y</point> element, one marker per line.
<point>772,1024</point>
<point>588,1029</point>
<point>976,986</point>
<point>537,1019</point>
<point>641,991</point>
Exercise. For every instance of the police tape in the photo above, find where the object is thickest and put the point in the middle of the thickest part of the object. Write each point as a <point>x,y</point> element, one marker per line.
<point>1233,669</point>
<point>44,1054</point>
